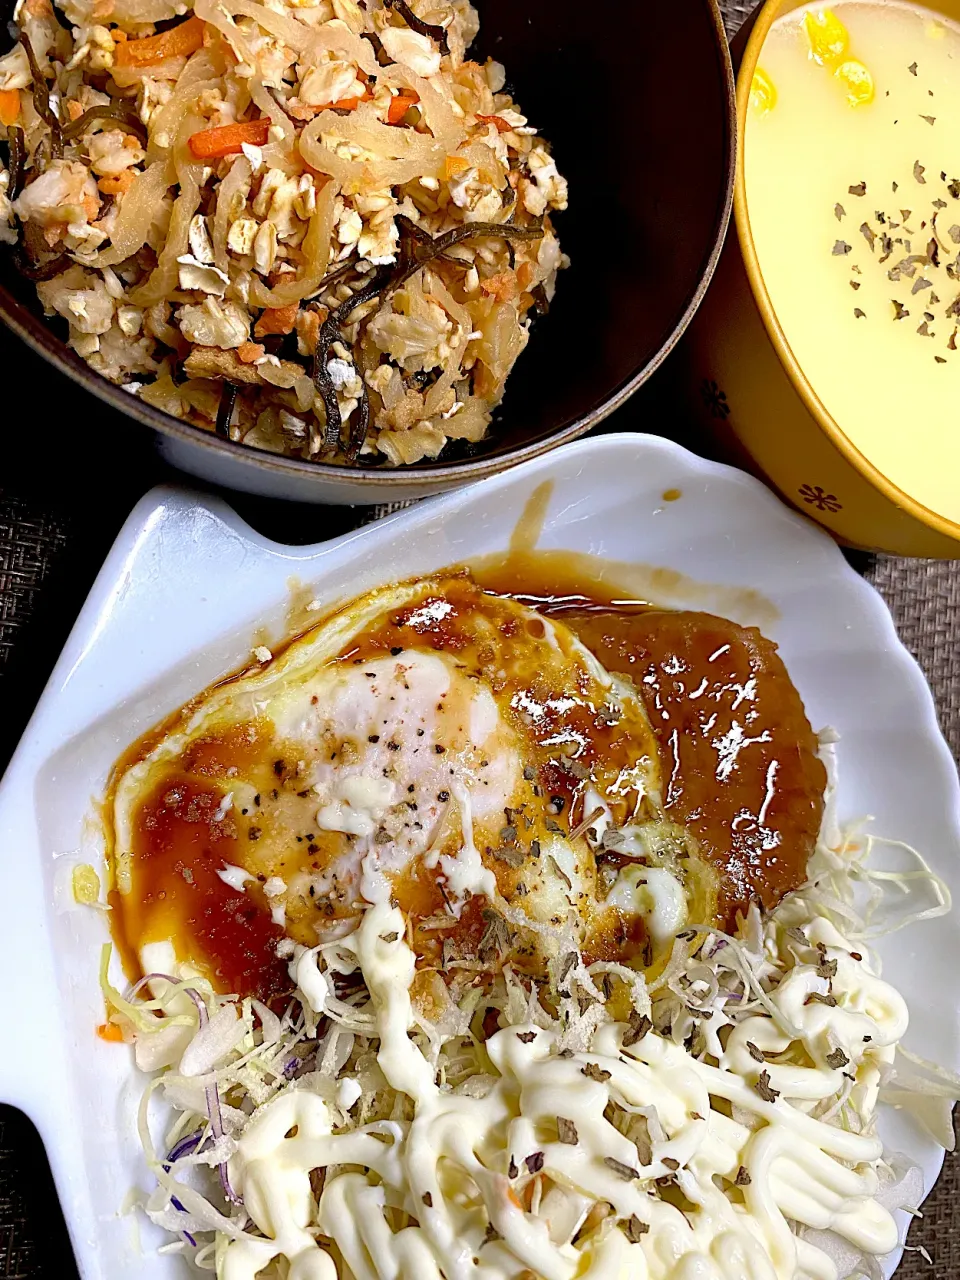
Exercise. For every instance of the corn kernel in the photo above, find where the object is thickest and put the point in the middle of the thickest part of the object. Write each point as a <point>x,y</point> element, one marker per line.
<point>86,885</point>
<point>857,81</point>
<point>828,38</point>
<point>763,93</point>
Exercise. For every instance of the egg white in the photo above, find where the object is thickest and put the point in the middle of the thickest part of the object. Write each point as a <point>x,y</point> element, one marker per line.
<point>437,757</point>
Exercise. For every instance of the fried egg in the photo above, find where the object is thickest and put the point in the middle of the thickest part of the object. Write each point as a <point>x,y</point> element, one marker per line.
<point>432,746</point>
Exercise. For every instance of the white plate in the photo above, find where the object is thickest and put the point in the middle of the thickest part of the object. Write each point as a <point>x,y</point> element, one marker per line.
<point>177,604</point>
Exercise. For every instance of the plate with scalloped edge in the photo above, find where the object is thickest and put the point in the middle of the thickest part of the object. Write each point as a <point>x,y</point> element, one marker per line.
<point>180,599</point>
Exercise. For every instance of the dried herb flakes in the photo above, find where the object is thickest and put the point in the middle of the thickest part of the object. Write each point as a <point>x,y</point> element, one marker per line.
<point>624,1171</point>
<point>567,1132</point>
<point>764,1089</point>
<point>634,1229</point>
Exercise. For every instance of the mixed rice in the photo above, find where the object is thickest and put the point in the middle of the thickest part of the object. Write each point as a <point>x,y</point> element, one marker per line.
<point>313,226</point>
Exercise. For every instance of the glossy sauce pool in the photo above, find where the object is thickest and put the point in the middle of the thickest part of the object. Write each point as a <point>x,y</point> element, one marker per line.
<point>179,843</point>
<point>738,755</point>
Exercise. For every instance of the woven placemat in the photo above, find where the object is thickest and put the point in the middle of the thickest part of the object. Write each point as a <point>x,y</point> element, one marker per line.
<point>60,508</point>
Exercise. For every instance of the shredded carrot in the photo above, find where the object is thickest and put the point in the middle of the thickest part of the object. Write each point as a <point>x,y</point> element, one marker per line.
<point>351,104</point>
<point>110,1032</point>
<point>513,1197</point>
<point>401,104</point>
<point>130,142</point>
<point>9,106</point>
<point>249,352</point>
<point>503,286</point>
<point>300,111</point>
<point>276,320</point>
<point>309,328</point>
<point>228,139</point>
<point>118,36</point>
<point>455,165</point>
<point>119,185</point>
<point>74,109</point>
<point>177,42</point>
<point>502,125</point>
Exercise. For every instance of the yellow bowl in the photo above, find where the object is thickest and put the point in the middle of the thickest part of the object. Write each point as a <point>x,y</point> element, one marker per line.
<point>749,390</point>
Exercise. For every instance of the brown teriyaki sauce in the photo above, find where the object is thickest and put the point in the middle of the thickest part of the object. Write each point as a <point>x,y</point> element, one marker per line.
<point>738,755</point>
<point>738,760</point>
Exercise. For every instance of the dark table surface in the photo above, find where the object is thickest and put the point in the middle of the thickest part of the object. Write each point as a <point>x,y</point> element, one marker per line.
<point>63,497</point>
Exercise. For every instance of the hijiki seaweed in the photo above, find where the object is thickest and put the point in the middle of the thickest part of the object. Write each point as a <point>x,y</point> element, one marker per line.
<point>124,120</point>
<point>417,249</point>
<point>41,100</point>
<point>417,24</point>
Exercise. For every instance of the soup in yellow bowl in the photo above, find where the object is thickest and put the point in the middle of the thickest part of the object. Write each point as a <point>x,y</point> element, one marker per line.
<point>829,350</point>
<point>852,162</point>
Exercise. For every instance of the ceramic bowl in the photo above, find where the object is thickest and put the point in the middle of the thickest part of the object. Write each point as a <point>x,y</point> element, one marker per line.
<point>749,390</point>
<point>639,106</point>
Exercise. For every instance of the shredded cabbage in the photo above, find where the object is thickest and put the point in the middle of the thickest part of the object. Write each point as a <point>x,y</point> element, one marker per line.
<point>368,1052</point>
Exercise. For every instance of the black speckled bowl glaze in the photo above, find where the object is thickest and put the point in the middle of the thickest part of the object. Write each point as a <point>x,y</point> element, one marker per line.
<point>640,111</point>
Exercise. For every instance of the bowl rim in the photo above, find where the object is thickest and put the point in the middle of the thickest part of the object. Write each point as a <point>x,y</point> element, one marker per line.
<point>764,20</point>
<point>40,338</point>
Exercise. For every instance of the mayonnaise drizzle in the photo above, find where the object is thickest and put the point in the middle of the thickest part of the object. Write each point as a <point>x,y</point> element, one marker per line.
<point>469,1187</point>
